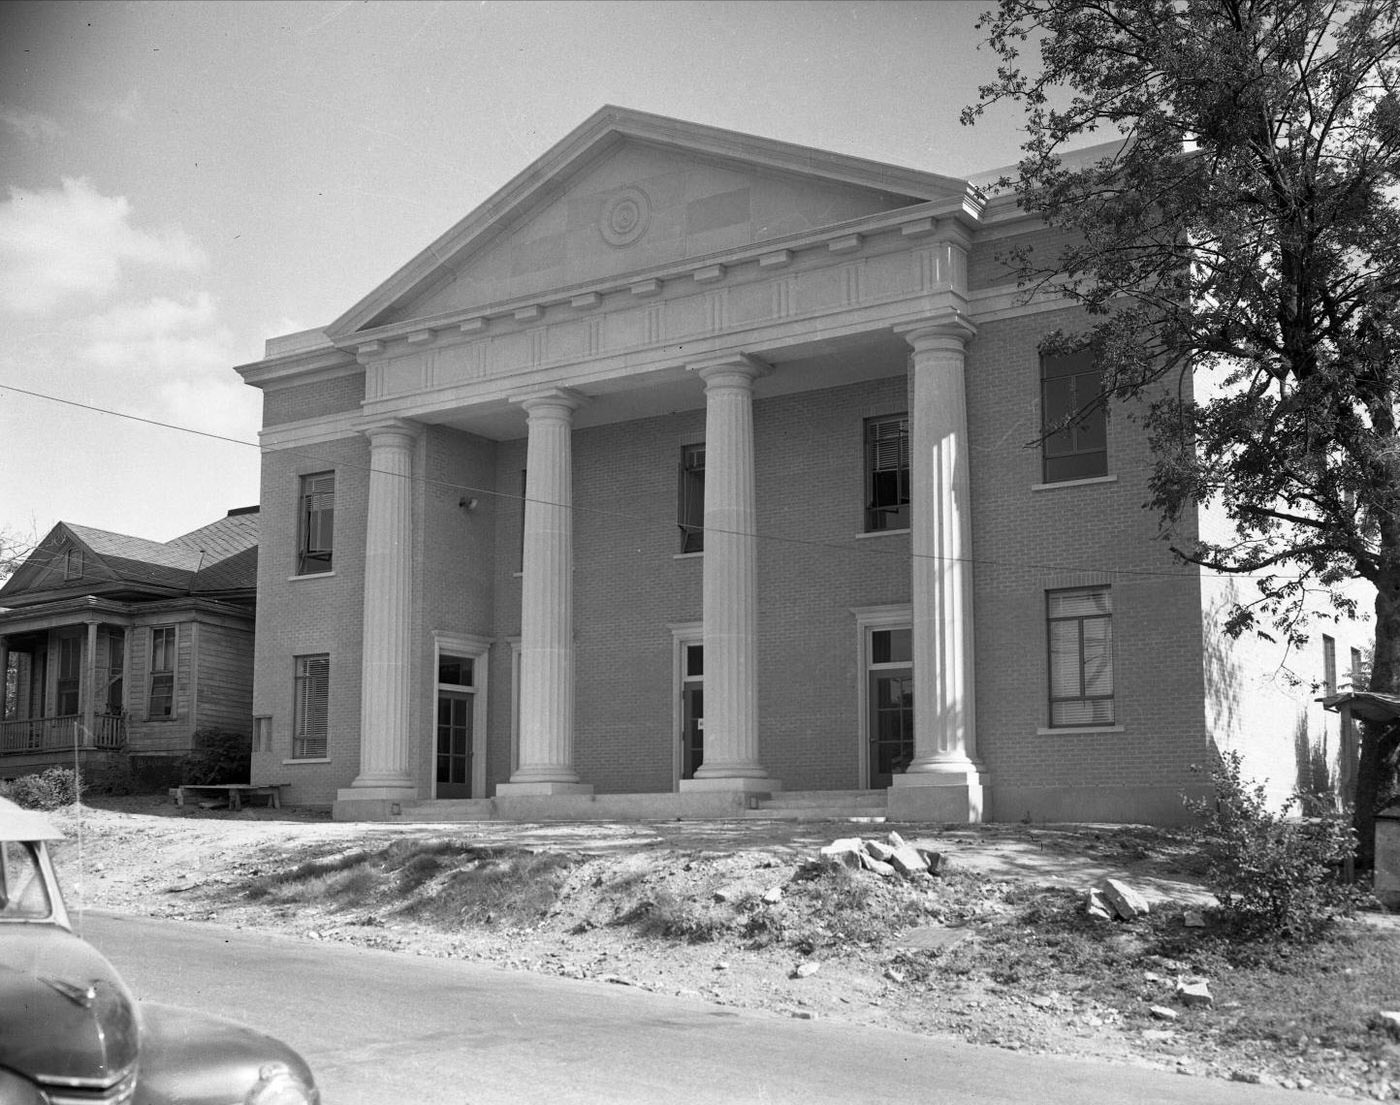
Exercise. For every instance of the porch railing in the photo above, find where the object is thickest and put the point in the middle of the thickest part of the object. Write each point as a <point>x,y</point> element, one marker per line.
<point>47,734</point>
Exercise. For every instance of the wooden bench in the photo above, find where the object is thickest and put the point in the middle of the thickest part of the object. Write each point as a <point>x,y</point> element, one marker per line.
<point>236,792</point>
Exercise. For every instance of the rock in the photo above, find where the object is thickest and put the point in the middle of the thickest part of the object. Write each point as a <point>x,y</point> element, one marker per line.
<point>933,938</point>
<point>1126,901</point>
<point>1158,1035</point>
<point>894,974</point>
<point>1162,1013</point>
<point>804,970</point>
<point>896,841</point>
<point>804,1015</point>
<point>846,851</point>
<point>870,863</point>
<point>773,895</point>
<point>1152,976</point>
<point>933,860</point>
<point>908,862</point>
<point>1388,1020</point>
<point>1193,919</point>
<point>1194,993</point>
<point>1096,907</point>
<point>1244,1076</point>
<point>879,850</point>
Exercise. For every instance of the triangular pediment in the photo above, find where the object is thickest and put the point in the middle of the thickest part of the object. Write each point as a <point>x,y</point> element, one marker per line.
<point>629,192</point>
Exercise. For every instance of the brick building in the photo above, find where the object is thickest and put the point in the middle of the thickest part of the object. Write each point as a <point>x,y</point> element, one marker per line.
<point>695,470</point>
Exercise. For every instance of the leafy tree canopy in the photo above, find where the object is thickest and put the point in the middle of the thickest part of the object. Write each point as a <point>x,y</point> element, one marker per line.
<point>1238,254</point>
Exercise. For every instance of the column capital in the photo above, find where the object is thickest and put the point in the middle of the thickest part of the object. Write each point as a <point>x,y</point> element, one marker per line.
<point>559,402</point>
<point>943,330</point>
<point>382,429</point>
<point>729,368</point>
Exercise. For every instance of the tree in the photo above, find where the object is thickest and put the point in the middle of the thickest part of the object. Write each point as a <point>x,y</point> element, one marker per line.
<point>1239,259</point>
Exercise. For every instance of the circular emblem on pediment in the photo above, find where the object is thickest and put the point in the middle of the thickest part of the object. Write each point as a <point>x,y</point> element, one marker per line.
<point>626,216</point>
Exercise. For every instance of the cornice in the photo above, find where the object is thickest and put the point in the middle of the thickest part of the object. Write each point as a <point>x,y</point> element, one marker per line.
<point>302,367</point>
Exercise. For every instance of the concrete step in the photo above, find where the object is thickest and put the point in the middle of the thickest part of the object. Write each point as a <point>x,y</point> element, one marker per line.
<point>449,809</point>
<point>822,805</point>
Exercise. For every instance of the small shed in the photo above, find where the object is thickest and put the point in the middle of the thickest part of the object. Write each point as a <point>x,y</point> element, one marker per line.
<point>1372,706</point>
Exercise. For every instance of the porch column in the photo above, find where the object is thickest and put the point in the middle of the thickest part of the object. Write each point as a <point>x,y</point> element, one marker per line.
<point>385,690</point>
<point>89,696</point>
<point>547,603</point>
<point>730,583</point>
<point>944,781</point>
<point>5,679</point>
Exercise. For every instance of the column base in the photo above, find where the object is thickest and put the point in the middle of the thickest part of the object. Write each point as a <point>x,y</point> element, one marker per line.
<point>529,790</point>
<point>743,783</point>
<point>949,793</point>
<point>352,793</point>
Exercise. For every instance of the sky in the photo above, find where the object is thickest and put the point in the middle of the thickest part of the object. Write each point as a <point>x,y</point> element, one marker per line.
<point>181,181</point>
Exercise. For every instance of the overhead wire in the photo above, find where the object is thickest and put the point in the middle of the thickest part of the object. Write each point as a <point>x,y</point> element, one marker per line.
<point>851,545</point>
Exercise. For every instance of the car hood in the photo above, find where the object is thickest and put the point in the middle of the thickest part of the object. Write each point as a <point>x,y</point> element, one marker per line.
<point>64,1012</point>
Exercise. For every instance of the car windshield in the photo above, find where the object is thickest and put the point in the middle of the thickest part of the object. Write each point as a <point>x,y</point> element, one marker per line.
<point>23,893</point>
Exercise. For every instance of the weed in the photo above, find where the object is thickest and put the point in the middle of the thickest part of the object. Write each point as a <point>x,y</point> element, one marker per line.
<point>1275,876</point>
<point>508,887</point>
<point>665,915</point>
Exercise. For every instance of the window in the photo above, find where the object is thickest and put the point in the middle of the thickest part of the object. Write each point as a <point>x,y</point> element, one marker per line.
<point>1080,624</point>
<point>70,651</point>
<point>316,541</point>
<point>162,697</point>
<point>1358,673</point>
<point>309,725</point>
<point>73,564</point>
<point>691,499</point>
<point>886,473</point>
<point>1329,665</point>
<point>1075,425</point>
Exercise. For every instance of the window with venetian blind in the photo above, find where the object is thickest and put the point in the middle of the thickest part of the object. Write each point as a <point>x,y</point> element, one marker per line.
<point>1080,632</point>
<point>310,714</point>
<point>887,473</point>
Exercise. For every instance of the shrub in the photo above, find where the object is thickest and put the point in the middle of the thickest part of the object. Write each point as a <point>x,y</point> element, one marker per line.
<point>219,756</point>
<point>50,789</point>
<point>1275,875</point>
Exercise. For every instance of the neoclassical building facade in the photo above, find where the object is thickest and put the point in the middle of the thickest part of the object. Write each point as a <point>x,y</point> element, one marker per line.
<point>693,470</point>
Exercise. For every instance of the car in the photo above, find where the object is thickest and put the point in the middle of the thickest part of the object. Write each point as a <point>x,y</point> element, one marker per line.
<point>70,1030</point>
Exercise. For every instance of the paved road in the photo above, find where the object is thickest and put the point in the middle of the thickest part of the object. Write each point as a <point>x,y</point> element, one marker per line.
<point>383,1028</point>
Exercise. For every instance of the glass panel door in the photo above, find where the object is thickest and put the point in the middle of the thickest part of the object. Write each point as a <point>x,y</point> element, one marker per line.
<point>454,745</point>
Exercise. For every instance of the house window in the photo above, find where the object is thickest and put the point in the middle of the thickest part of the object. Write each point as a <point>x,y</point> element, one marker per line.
<point>70,651</point>
<point>1080,624</point>
<point>1073,421</point>
<point>73,564</point>
<point>316,541</point>
<point>309,725</point>
<point>1358,674</point>
<point>1329,664</point>
<point>691,499</point>
<point>886,473</point>
<point>116,663</point>
<point>162,696</point>
<point>524,498</point>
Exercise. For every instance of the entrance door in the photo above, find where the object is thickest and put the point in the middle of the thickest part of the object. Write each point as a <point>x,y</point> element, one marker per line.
<point>454,745</point>
<point>890,726</point>
<point>692,709</point>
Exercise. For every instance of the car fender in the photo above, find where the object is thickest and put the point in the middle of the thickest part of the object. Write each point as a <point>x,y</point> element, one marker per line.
<point>194,1058</point>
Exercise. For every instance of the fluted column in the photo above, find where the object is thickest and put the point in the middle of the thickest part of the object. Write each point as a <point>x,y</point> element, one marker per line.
<point>547,603</point>
<point>730,588</point>
<point>945,742</point>
<point>385,690</point>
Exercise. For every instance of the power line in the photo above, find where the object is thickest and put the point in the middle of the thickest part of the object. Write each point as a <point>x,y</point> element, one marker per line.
<point>862,547</point>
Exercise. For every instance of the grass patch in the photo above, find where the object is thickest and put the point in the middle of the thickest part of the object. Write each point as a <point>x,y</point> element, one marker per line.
<point>666,916</point>
<point>497,887</point>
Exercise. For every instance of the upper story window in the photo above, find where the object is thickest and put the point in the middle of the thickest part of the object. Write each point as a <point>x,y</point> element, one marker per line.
<point>316,540</point>
<point>161,701</point>
<point>1080,631</point>
<point>1075,426</point>
<point>1329,664</point>
<point>73,564</point>
<point>887,473</point>
<point>690,504</point>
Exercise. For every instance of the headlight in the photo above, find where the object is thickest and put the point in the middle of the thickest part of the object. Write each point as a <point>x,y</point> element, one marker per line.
<point>277,1085</point>
<point>15,1090</point>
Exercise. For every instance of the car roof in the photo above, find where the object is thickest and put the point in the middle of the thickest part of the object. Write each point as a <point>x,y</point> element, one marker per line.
<point>21,824</point>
